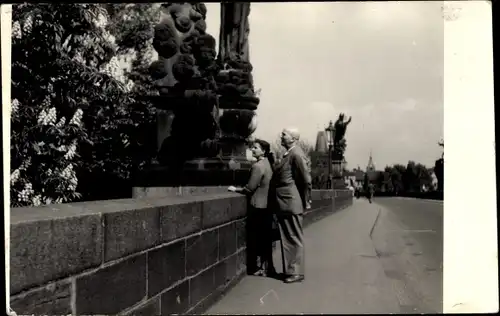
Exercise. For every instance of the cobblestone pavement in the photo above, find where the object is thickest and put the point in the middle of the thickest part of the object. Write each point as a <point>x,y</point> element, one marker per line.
<point>343,273</point>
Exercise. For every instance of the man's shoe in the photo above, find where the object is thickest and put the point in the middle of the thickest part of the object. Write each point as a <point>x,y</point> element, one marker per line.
<point>294,278</point>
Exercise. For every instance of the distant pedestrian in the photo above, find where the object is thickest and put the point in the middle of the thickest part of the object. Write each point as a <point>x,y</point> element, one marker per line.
<point>290,196</point>
<point>261,226</point>
<point>369,192</point>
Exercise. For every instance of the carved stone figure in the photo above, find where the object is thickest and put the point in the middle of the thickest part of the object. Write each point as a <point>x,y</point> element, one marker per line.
<point>237,100</point>
<point>184,75</point>
<point>339,142</point>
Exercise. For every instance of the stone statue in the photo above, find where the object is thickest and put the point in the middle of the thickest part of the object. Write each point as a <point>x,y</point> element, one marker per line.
<point>237,98</point>
<point>184,75</point>
<point>339,143</point>
<point>234,30</point>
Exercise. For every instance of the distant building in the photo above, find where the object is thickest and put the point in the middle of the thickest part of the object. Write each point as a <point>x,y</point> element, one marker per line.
<point>358,175</point>
<point>321,142</point>
<point>372,172</point>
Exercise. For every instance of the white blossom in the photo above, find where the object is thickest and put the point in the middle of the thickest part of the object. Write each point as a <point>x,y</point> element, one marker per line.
<point>61,148</point>
<point>15,105</point>
<point>77,118</point>
<point>47,118</point>
<point>23,196</point>
<point>28,25</point>
<point>71,151</point>
<point>36,200</point>
<point>14,176</point>
<point>61,122</point>
<point>52,116</point>
<point>16,30</point>
<point>41,117</point>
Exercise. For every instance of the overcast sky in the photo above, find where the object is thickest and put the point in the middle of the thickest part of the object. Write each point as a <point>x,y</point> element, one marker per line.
<point>379,62</point>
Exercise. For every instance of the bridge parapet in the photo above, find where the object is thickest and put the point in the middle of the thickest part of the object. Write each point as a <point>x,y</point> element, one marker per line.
<point>154,256</point>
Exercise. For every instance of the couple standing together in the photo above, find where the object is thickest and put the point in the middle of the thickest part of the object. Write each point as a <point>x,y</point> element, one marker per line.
<point>278,194</point>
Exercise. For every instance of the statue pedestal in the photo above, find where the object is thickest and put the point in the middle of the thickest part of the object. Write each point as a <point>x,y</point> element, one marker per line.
<point>195,177</point>
<point>339,184</point>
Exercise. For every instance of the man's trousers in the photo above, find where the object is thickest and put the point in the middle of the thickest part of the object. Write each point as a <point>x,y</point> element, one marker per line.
<point>292,242</point>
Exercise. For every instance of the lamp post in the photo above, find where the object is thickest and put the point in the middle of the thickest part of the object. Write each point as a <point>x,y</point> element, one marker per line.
<point>330,136</point>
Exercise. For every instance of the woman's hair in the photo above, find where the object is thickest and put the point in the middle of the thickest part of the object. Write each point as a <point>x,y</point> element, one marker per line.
<point>266,147</point>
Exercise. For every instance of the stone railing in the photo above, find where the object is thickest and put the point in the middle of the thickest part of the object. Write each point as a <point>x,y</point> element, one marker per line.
<point>156,256</point>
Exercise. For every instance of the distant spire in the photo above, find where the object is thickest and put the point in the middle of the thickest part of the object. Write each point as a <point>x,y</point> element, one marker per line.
<point>370,166</point>
<point>321,143</point>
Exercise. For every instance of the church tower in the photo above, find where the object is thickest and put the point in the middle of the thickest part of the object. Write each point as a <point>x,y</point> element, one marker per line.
<point>370,166</point>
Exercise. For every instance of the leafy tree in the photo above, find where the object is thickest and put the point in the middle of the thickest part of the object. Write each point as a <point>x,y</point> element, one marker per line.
<point>133,27</point>
<point>44,155</point>
<point>423,176</point>
<point>396,177</point>
<point>59,59</point>
<point>65,59</point>
<point>130,141</point>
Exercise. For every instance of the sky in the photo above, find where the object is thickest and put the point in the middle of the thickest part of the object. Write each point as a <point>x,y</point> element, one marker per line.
<point>379,62</point>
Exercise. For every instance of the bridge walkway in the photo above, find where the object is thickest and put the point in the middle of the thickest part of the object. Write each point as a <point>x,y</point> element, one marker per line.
<point>343,273</point>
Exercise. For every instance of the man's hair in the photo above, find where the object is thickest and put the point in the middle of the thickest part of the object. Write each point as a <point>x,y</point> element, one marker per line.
<point>294,132</point>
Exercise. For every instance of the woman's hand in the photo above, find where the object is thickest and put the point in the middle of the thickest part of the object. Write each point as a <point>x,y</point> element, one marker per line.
<point>232,189</point>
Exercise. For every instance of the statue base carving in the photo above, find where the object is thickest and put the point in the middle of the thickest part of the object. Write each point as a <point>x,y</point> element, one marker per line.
<point>196,176</point>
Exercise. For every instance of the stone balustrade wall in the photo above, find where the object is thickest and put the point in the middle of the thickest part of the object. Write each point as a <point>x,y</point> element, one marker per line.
<point>155,256</point>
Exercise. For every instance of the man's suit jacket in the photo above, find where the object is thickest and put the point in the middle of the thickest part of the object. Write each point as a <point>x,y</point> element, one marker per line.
<point>290,182</point>
<point>257,188</point>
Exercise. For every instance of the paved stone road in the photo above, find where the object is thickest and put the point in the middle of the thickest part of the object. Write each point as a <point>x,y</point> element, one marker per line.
<point>408,238</point>
<point>369,258</point>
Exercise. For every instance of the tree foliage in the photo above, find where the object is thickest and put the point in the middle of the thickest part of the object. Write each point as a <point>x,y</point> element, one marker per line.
<point>64,61</point>
<point>411,178</point>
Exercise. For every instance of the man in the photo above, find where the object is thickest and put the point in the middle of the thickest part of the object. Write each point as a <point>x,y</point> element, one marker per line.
<point>290,192</point>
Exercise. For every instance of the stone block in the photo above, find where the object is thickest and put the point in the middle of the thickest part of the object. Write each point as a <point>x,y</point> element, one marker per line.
<point>225,271</point>
<point>179,220</point>
<point>238,208</point>
<point>215,212</point>
<point>112,289</point>
<point>46,250</point>
<point>201,286</point>
<point>241,261</point>
<point>166,266</point>
<point>53,299</point>
<point>130,231</point>
<point>241,234</point>
<point>201,251</point>
<point>149,308</point>
<point>227,240</point>
<point>175,300</point>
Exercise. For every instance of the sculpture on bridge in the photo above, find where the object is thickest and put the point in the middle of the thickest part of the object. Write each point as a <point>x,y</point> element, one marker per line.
<point>213,100</point>
<point>184,75</point>
<point>237,100</point>
<point>339,142</point>
<point>209,100</point>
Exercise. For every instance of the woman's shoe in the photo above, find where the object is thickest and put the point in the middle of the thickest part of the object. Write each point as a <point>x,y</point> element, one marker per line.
<point>259,273</point>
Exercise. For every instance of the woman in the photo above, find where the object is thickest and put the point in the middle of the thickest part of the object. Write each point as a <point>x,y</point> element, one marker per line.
<point>260,221</point>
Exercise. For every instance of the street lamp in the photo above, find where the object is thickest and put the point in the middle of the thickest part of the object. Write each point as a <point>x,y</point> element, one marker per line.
<point>330,136</point>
